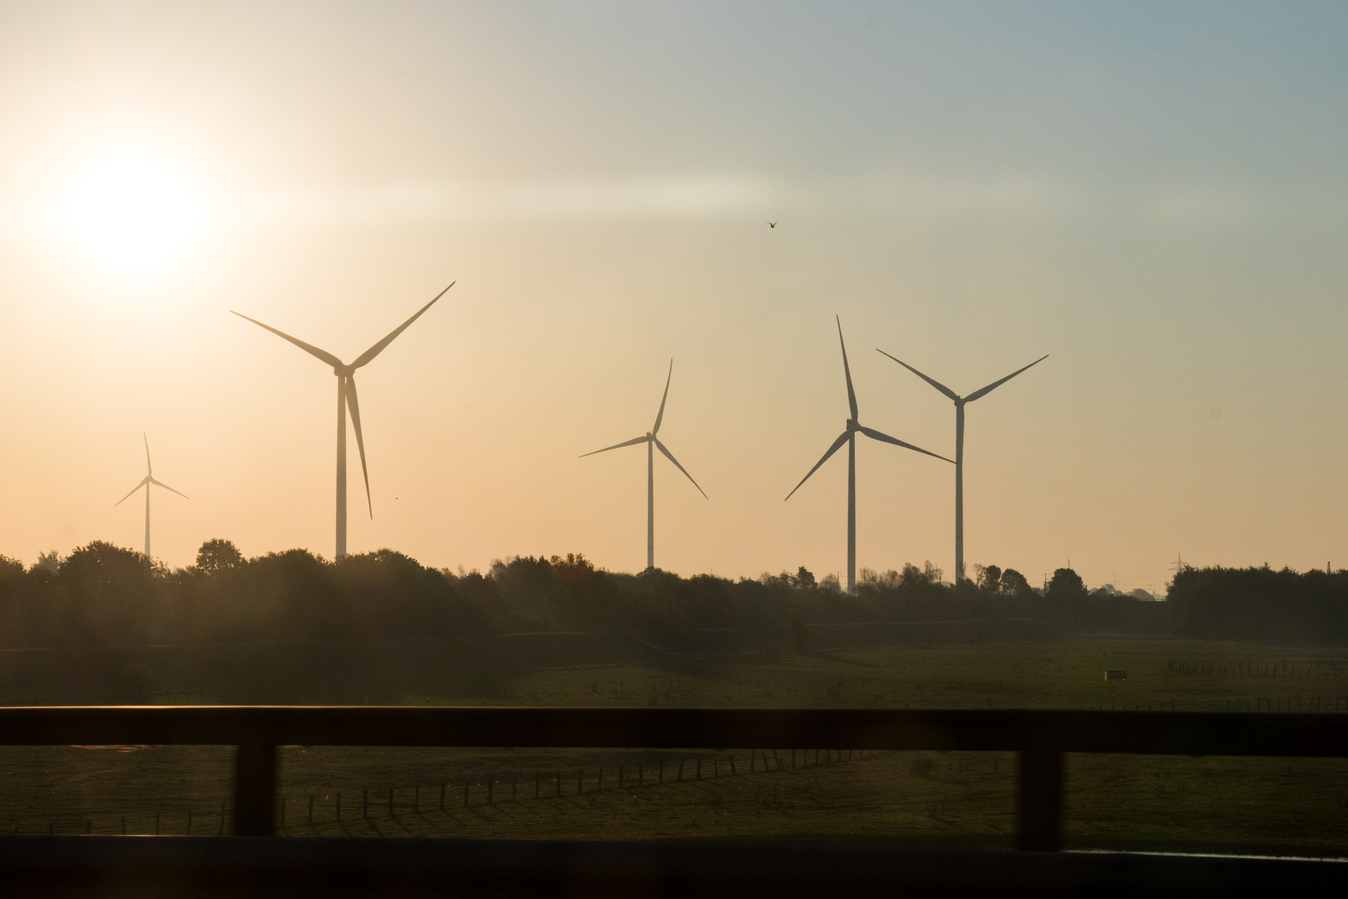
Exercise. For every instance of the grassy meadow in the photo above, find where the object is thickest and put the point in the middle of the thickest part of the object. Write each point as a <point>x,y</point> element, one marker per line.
<point>1282,806</point>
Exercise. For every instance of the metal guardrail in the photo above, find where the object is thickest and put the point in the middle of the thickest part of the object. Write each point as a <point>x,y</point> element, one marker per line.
<point>1040,737</point>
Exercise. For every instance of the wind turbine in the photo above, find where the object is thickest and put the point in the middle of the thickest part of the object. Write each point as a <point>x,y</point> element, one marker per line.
<point>652,444</point>
<point>146,482</point>
<point>346,398</point>
<point>959,446</point>
<point>848,436</point>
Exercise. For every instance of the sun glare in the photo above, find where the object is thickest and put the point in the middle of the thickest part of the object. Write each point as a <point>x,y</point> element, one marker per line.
<point>134,212</point>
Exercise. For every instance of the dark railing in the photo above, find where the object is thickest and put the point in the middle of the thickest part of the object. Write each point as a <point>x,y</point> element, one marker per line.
<point>1040,737</point>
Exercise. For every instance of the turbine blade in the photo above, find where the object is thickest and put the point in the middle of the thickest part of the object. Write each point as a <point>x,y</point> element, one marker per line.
<point>831,450</point>
<point>851,394</point>
<point>995,384</point>
<point>661,414</point>
<point>143,482</point>
<point>885,438</point>
<point>633,442</point>
<point>670,456</point>
<point>353,404</point>
<point>167,487</point>
<point>378,348</point>
<point>149,469</point>
<point>950,394</point>
<point>308,348</point>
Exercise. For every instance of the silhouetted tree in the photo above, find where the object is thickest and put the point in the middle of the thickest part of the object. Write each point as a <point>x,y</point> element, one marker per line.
<point>110,594</point>
<point>1066,584</point>
<point>1014,584</point>
<point>989,579</point>
<point>217,556</point>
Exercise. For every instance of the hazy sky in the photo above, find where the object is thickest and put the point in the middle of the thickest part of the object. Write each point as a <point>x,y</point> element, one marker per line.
<point>1154,194</point>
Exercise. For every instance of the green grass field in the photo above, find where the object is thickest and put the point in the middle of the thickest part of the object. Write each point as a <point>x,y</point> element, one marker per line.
<point>1279,806</point>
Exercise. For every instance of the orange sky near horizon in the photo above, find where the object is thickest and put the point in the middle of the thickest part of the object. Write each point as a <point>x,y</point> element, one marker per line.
<point>1153,196</point>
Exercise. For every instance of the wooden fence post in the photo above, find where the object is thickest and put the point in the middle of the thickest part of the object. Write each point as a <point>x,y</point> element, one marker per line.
<point>1040,801</point>
<point>255,788</point>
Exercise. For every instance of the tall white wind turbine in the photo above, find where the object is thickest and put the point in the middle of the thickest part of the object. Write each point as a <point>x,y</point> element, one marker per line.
<point>146,482</point>
<point>652,444</point>
<point>346,398</point>
<point>959,446</point>
<point>849,436</point>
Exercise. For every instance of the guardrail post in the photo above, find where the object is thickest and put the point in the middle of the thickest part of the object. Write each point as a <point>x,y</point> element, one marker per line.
<point>1040,801</point>
<point>255,790</point>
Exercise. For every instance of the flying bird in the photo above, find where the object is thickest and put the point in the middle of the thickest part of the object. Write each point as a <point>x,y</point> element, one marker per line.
<point>772,224</point>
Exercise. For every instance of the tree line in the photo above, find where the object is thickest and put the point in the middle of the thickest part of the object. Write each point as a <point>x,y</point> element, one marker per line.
<point>105,595</point>
<point>1260,604</point>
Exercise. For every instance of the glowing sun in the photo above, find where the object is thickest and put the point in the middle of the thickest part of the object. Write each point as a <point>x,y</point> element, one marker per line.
<point>134,212</point>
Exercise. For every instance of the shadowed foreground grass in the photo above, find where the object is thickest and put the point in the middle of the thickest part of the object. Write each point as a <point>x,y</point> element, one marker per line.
<point>1283,806</point>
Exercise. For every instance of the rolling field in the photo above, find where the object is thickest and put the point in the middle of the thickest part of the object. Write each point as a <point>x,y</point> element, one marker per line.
<point>935,799</point>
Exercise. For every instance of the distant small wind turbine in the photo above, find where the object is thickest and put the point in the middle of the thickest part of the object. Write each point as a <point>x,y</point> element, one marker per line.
<point>652,444</point>
<point>346,398</point>
<point>146,482</point>
<point>848,436</point>
<point>959,446</point>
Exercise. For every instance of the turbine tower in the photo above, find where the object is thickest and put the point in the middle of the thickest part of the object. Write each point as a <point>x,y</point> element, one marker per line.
<point>346,398</point>
<point>146,482</point>
<point>848,436</point>
<point>959,447</point>
<point>652,444</point>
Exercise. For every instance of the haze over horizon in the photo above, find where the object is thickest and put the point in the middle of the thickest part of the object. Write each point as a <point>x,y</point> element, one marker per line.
<point>1153,195</point>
